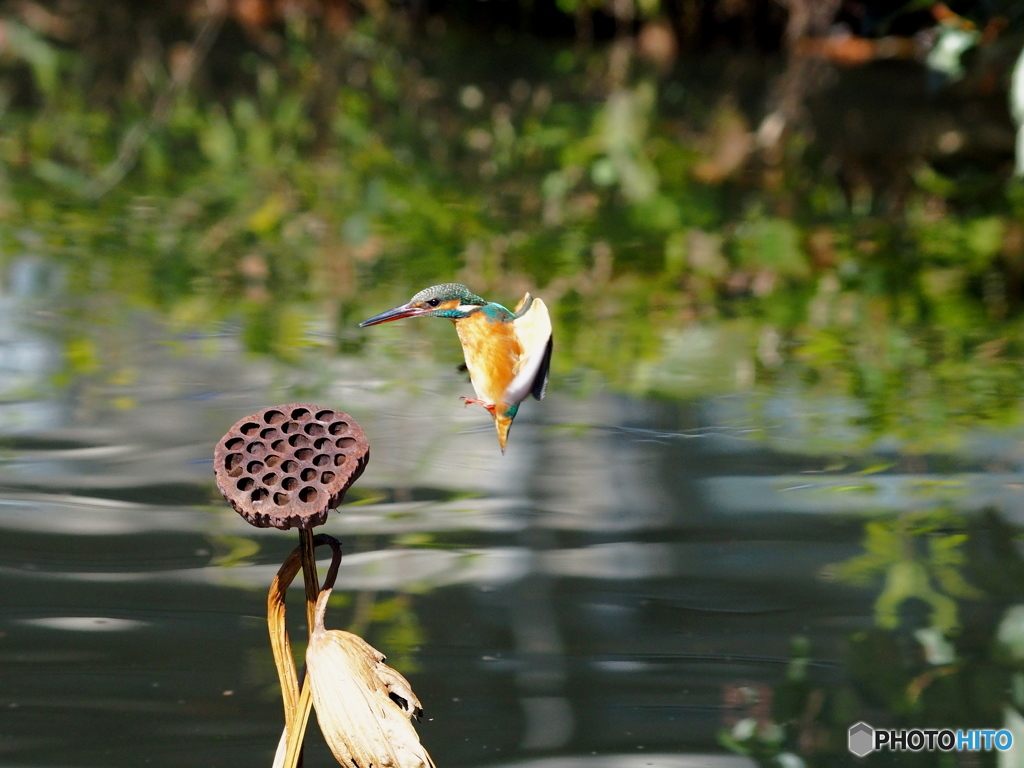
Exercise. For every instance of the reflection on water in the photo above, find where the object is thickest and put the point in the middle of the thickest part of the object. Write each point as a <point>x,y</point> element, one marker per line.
<point>632,584</point>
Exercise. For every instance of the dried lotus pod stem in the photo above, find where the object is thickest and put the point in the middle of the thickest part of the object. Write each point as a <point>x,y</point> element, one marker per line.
<point>297,702</point>
<point>276,610</point>
<point>309,577</point>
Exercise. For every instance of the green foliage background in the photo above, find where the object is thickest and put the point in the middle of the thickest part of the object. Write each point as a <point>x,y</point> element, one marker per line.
<point>320,176</point>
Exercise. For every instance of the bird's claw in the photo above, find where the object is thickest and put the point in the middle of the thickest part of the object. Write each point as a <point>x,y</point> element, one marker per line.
<point>475,401</point>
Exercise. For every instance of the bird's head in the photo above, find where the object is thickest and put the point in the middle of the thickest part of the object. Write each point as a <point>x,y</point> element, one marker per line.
<point>451,300</point>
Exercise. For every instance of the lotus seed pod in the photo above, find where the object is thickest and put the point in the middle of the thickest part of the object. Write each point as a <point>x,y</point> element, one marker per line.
<point>287,465</point>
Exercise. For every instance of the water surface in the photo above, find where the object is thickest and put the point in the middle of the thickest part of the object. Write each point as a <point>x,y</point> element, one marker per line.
<point>635,583</point>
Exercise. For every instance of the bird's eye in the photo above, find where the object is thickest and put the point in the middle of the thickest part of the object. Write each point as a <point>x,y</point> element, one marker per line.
<point>434,302</point>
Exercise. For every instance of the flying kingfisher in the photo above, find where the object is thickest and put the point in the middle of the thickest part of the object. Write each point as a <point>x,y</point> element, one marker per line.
<point>508,352</point>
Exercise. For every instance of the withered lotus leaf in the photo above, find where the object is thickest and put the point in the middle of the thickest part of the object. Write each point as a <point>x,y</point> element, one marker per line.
<point>363,705</point>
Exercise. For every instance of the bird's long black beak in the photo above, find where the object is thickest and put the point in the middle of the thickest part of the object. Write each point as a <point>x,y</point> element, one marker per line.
<point>392,314</point>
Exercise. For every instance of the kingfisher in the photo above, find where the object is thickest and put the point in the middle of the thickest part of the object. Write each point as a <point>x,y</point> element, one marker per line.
<point>508,352</point>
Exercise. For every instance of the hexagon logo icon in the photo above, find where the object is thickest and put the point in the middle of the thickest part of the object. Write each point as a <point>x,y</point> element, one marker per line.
<point>861,739</point>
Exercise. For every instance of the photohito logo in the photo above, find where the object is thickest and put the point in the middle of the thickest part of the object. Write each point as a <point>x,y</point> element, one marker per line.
<point>863,739</point>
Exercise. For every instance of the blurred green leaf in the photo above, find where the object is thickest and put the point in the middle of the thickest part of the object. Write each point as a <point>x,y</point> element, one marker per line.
<point>765,242</point>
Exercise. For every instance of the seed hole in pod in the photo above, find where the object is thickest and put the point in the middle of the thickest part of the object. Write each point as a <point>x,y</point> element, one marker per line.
<point>273,417</point>
<point>304,454</point>
<point>272,460</point>
<point>345,442</point>
<point>339,459</point>
<point>297,441</point>
<point>322,460</point>
<point>289,466</point>
<point>301,414</point>
<point>325,415</point>
<point>315,430</point>
<point>256,448</point>
<point>307,494</point>
<point>338,427</point>
<point>232,460</point>
<point>234,443</point>
<point>307,474</point>
<point>270,433</point>
<point>327,478</point>
<point>245,484</point>
<point>270,479</point>
<point>249,429</point>
<point>289,483</point>
<point>279,445</point>
<point>259,495</point>
<point>289,426</point>
<point>254,467</point>
<point>322,443</point>
<point>280,499</point>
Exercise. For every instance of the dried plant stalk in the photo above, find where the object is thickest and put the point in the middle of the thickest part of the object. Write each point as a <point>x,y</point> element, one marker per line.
<point>363,706</point>
<point>289,747</point>
<point>296,703</point>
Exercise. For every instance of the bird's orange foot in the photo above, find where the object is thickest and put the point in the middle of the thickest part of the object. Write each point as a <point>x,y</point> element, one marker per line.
<point>475,401</point>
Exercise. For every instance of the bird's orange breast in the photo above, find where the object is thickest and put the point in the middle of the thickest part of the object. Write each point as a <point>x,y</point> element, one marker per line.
<point>492,352</point>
